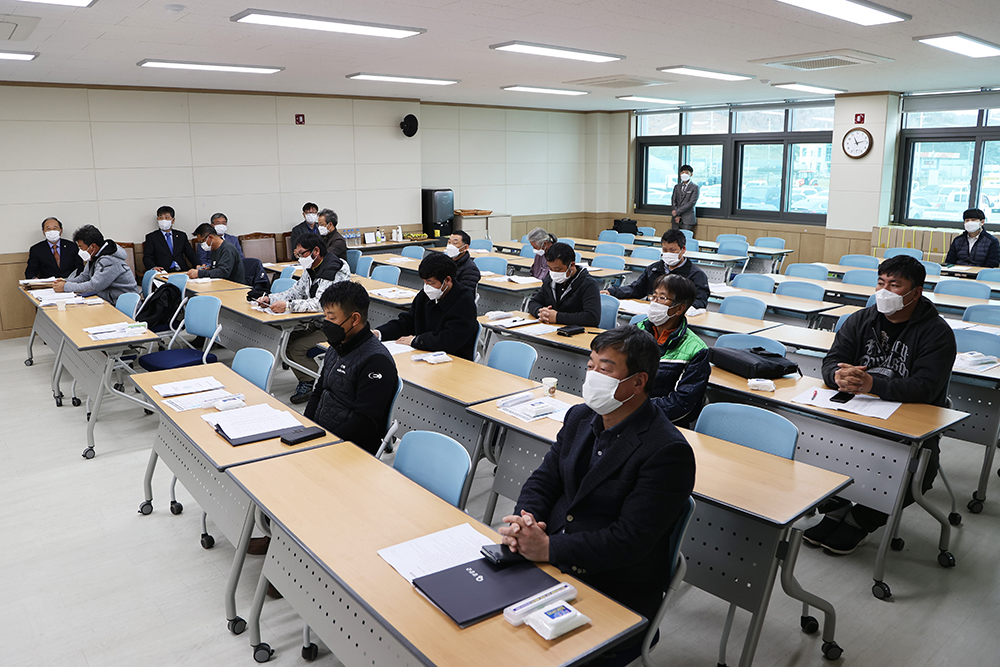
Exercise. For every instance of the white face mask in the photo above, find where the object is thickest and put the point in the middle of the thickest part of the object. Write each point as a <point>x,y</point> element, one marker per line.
<point>889,302</point>
<point>599,392</point>
<point>658,313</point>
<point>685,177</point>
<point>670,258</point>
<point>85,256</point>
<point>433,293</point>
<point>165,225</point>
<point>559,277</point>
<point>972,226</point>
<point>312,218</point>
<point>323,231</point>
<point>221,230</point>
<point>52,236</point>
<point>206,247</point>
<point>306,262</point>
<point>452,251</point>
<point>538,251</point>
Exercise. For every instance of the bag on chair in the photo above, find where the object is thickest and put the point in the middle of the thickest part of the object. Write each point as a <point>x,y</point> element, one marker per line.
<point>160,306</point>
<point>755,362</point>
<point>626,226</point>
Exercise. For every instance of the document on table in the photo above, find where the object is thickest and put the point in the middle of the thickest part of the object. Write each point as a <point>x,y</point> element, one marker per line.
<point>395,348</point>
<point>538,329</point>
<point>393,293</point>
<point>523,280</point>
<point>524,411</point>
<point>252,423</point>
<point>633,307</point>
<point>52,295</point>
<point>36,281</point>
<point>559,416</point>
<point>975,362</point>
<point>959,324</point>
<point>435,552</point>
<point>204,280</point>
<point>861,404</point>
<point>192,386</point>
<point>400,260</point>
<point>196,401</point>
<point>512,322</point>
<point>721,288</point>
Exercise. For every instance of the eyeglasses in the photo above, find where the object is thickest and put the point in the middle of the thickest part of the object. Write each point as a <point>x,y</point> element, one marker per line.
<point>666,301</point>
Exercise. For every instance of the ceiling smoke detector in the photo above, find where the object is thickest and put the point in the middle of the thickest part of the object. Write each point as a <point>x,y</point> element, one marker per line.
<point>810,62</point>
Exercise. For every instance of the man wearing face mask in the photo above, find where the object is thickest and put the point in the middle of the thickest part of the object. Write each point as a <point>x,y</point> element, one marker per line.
<point>310,218</point>
<point>466,271</point>
<point>603,502</point>
<point>224,260</point>
<point>899,350</point>
<point>975,246</point>
<point>359,378</point>
<point>221,224</point>
<point>105,272</point>
<point>683,201</point>
<point>326,227</point>
<point>442,316</point>
<point>672,261</point>
<point>540,241</point>
<point>167,249</point>
<point>55,257</point>
<point>568,295</point>
<point>320,270</point>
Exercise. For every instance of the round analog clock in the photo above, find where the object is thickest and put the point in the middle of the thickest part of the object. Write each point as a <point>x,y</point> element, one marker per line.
<point>857,142</point>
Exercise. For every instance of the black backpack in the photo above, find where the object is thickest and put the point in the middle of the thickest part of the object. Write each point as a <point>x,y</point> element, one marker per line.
<point>755,362</point>
<point>159,307</point>
<point>626,226</point>
<point>256,276</point>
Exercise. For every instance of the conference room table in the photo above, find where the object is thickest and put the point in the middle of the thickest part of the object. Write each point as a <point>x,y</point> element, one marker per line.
<point>777,304</point>
<point>763,259</point>
<point>203,286</point>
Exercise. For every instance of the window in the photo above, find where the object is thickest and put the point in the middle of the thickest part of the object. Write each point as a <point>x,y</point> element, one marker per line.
<point>707,163</point>
<point>809,175</point>
<point>812,119</point>
<point>659,124</point>
<point>940,179</point>
<point>706,122</point>
<point>989,181</point>
<point>993,119</point>
<point>661,174</point>
<point>764,120</point>
<point>760,177</point>
<point>924,119</point>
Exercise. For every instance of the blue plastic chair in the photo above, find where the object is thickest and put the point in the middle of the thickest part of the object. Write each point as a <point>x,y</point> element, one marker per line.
<point>254,364</point>
<point>608,236</point>
<point>748,341</point>
<point>481,244</point>
<point>988,275</point>
<point>743,306</point>
<point>527,251</point>
<point>733,247</point>
<point>895,252</point>
<point>364,266</point>
<point>288,272</point>
<point>870,302</point>
<point>692,244</point>
<point>860,261</point>
<point>147,282</point>
<point>934,269</point>
<point>689,234</point>
<point>282,284</point>
<point>647,231</point>
<point>977,341</point>
<point>840,322</point>
<point>811,271</point>
<point>866,277</point>
<point>625,237</point>
<point>386,274</point>
<point>608,262</point>
<point>524,239</point>
<point>726,238</point>
<point>609,311</point>
<point>983,313</point>
<point>646,253</point>
<point>513,357</point>
<point>413,252</point>
<point>579,258</point>
<point>770,242</point>
<point>497,265</point>
<point>959,287</point>
<point>570,242</point>
<point>757,282</point>
<point>638,317</point>
<point>353,255</point>
<point>392,425</point>
<point>749,426</point>
<point>127,303</point>
<point>801,290</point>
<point>201,318</point>
<point>610,249</point>
<point>178,280</point>
<point>435,462</point>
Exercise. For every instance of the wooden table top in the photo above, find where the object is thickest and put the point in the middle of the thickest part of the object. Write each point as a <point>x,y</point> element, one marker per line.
<point>278,267</point>
<point>913,421</point>
<point>715,321</point>
<point>952,301</point>
<point>580,342</point>
<point>216,285</point>
<point>372,285</point>
<point>962,270</point>
<point>72,322</point>
<point>544,429</point>
<point>842,310</point>
<point>392,259</point>
<point>216,449</point>
<point>460,380</point>
<point>812,339</point>
<point>753,249</point>
<point>834,286</point>
<point>785,302</point>
<point>392,244</point>
<point>236,301</point>
<point>342,491</point>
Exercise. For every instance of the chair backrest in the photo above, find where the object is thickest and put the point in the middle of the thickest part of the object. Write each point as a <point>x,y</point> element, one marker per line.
<point>625,237</point>
<point>610,249</point>
<point>287,236</point>
<point>524,239</point>
<point>743,306</point>
<point>608,235</point>
<point>579,258</point>
<point>364,266</point>
<point>147,282</point>
<point>527,250</point>
<point>801,270</point>
<point>646,253</point>
<point>481,244</point>
<point>725,238</point>
<point>870,302</point>
<point>386,274</point>
<point>802,290</point>
<point>435,462</point>
<point>201,315</point>
<point>984,313</point>
<point>571,242</point>
<point>254,364</point>
<point>638,317</point>
<point>840,322</point>
<point>513,357</point>
<point>769,242</point>
<point>129,249</point>
<point>260,246</point>
<point>959,287</point>
<point>127,303</point>
<point>647,231</point>
<point>288,271</point>
<point>894,252</point>
<point>497,265</point>
<point>866,277</point>
<point>689,234</point>
<point>353,255</point>
<point>934,269</point>
<point>737,248</point>
<point>609,311</point>
<point>748,341</point>
<point>749,426</point>
<point>608,262</point>
<point>179,280</point>
<point>692,244</point>
<point>413,252</point>
<point>757,282</point>
<point>988,275</point>
<point>977,341</point>
<point>861,261</point>
<point>282,284</point>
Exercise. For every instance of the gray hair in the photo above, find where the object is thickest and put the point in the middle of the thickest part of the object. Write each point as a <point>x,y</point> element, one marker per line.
<point>329,216</point>
<point>539,235</point>
<point>216,216</point>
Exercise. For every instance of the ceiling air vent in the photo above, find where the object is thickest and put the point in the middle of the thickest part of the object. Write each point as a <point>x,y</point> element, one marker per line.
<point>619,81</point>
<point>16,28</point>
<point>808,62</point>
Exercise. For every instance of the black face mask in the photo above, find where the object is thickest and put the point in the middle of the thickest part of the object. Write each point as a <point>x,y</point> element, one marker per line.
<point>334,333</point>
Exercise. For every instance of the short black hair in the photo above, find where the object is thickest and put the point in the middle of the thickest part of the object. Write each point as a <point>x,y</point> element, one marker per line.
<point>205,229</point>
<point>906,267</point>
<point>436,265</point>
<point>682,288</point>
<point>165,209</point>
<point>90,235</point>
<point>466,239</point>
<point>216,216</point>
<point>642,354</point>
<point>349,296</point>
<point>330,216</point>
<point>309,242</point>
<point>308,205</point>
<point>562,252</point>
<point>688,168</point>
<point>974,214</point>
<point>51,218</point>
<point>674,236</point>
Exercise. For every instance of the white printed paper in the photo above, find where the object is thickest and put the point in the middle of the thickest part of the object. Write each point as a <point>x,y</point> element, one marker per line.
<point>512,322</point>
<point>252,420</point>
<point>976,362</point>
<point>396,348</point>
<point>959,324</point>
<point>538,329</point>
<point>400,260</point>
<point>554,406</point>
<point>192,386</point>
<point>721,288</point>
<point>196,401</point>
<point>393,293</point>
<point>634,307</point>
<point>435,552</point>
<point>861,404</point>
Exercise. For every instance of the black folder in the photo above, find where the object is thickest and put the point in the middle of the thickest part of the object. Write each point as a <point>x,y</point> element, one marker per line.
<point>256,437</point>
<point>474,591</point>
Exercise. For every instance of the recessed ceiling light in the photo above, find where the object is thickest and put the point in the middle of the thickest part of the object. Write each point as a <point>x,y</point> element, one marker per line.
<point>548,91</point>
<point>364,76</point>
<point>66,3</point>
<point>961,43</point>
<point>305,22</point>
<point>855,11</point>
<point>704,73</point>
<point>15,55</point>
<point>556,52</point>
<point>652,100</point>
<point>208,67</point>
<point>806,88</point>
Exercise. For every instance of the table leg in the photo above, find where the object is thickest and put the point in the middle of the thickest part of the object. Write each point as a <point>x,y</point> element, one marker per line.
<point>792,588</point>
<point>880,589</point>
<point>261,652</point>
<point>57,370</point>
<point>757,622</point>
<point>984,479</point>
<point>236,624</point>
<point>109,366</point>
<point>477,454</point>
<point>31,341</point>
<point>945,558</point>
<point>286,333</point>
<point>146,506</point>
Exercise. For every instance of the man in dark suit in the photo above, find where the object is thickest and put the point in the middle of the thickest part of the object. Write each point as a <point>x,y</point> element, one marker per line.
<point>167,249</point>
<point>604,501</point>
<point>55,257</point>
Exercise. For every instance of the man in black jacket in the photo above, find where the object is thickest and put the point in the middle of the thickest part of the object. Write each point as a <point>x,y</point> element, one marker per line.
<point>359,378</point>
<point>442,317</point>
<point>466,271</point>
<point>899,350</point>
<point>310,218</point>
<point>603,502</point>
<point>167,249</point>
<point>672,261</point>
<point>224,259</point>
<point>568,295</point>
<point>55,257</point>
<point>975,246</point>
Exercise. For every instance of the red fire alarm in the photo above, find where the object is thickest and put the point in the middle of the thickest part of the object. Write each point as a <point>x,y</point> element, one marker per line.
<point>300,119</point>
<point>859,119</point>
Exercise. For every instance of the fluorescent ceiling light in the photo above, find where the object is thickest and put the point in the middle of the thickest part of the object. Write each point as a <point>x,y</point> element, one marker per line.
<point>363,76</point>
<point>806,88</point>
<point>67,3</point>
<point>305,22</point>
<point>855,11</point>
<point>549,91</point>
<point>208,67</point>
<point>704,73</point>
<point>962,44</point>
<point>556,52</point>
<point>652,100</point>
<point>14,55</point>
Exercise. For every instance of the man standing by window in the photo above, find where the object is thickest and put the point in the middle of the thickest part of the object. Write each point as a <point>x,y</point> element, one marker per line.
<point>683,200</point>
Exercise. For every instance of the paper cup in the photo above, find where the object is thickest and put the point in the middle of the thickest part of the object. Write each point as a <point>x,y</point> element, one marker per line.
<point>61,304</point>
<point>550,386</point>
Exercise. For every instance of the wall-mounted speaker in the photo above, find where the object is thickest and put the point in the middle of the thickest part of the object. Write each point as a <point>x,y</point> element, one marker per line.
<point>409,125</point>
